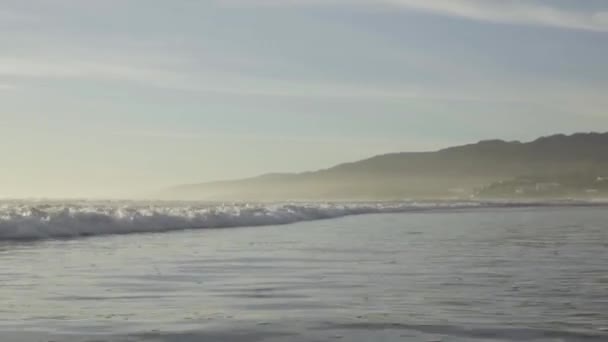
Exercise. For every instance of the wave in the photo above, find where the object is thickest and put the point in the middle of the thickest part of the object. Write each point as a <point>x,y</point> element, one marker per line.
<point>21,220</point>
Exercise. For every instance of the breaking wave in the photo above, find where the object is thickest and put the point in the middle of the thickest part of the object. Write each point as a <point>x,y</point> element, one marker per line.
<point>23,220</point>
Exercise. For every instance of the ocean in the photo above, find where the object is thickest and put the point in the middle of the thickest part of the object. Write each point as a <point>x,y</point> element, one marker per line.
<point>404,271</point>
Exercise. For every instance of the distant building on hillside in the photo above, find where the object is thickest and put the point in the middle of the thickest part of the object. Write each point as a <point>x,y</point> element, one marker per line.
<point>542,187</point>
<point>458,191</point>
<point>524,189</point>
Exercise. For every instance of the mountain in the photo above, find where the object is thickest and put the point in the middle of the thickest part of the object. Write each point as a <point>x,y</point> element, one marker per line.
<point>452,172</point>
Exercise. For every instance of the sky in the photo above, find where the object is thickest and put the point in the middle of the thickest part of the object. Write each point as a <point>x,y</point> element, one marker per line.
<point>120,97</point>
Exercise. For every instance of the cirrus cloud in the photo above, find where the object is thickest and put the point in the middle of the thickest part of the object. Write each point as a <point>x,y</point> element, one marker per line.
<point>498,11</point>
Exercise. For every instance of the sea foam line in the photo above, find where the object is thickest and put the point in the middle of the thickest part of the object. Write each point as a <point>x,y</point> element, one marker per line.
<point>39,220</point>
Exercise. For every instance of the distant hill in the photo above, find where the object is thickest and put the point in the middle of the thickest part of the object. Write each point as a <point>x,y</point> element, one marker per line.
<point>452,172</point>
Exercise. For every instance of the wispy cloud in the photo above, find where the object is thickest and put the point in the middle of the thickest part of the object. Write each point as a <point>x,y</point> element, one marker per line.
<point>512,11</point>
<point>227,84</point>
<point>500,11</point>
<point>5,86</point>
<point>208,81</point>
<point>63,68</point>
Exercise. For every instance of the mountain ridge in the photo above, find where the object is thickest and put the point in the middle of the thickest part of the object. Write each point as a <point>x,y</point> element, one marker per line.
<point>459,169</point>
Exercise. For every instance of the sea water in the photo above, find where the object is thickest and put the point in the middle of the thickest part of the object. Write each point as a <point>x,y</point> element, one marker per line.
<point>466,272</point>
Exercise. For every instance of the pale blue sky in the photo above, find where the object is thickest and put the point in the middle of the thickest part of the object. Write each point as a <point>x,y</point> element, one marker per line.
<point>105,98</point>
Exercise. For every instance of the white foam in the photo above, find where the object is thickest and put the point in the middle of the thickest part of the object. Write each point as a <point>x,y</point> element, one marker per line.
<point>24,220</point>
